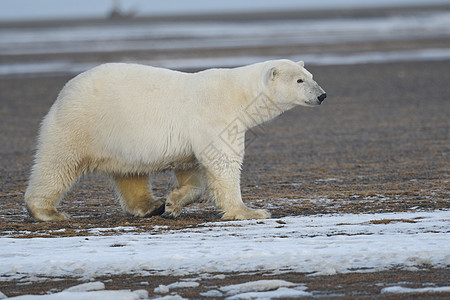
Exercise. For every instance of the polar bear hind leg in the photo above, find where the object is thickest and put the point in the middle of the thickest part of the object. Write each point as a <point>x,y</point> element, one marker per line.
<point>191,187</point>
<point>135,196</point>
<point>49,181</point>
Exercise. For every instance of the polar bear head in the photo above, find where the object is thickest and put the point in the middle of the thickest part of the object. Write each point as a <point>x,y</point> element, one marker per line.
<point>289,84</point>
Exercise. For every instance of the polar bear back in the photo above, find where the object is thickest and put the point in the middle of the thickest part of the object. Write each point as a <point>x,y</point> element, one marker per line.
<point>131,112</point>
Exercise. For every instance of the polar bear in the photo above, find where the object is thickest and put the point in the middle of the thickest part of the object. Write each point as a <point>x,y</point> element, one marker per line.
<point>130,120</point>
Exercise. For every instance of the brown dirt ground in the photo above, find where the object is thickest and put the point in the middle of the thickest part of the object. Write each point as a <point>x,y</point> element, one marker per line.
<point>381,141</point>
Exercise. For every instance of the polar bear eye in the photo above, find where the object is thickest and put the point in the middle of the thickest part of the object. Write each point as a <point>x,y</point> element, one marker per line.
<point>299,80</point>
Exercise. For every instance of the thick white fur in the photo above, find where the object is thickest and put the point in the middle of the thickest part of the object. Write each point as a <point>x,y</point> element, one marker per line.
<point>129,120</point>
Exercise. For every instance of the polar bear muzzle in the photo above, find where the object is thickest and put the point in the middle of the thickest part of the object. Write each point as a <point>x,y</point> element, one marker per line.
<point>322,97</point>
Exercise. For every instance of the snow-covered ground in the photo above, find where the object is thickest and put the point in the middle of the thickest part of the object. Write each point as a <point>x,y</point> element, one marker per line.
<point>326,244</point>
<point>322,244</point>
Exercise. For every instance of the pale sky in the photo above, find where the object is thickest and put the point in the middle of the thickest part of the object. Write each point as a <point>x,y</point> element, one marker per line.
<point>55,9</point>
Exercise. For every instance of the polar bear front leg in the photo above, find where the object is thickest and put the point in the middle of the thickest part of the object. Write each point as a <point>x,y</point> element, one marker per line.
<point>223,181</point>
<point>191,186</point>
<point>135,197</point>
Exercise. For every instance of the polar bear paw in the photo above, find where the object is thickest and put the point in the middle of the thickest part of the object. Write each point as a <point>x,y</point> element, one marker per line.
<point>246,214</point>
<point>46,215</point>
<point>171,210</point>
<point>150,209</point>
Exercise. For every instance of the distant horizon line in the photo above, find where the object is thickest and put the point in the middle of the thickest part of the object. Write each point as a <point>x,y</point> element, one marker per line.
<point>242,15</point>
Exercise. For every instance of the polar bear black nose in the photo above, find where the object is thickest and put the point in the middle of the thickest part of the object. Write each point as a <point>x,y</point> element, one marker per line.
<point>322,97</point>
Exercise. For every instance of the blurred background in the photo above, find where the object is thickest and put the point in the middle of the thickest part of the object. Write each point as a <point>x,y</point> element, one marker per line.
<point>379,143</point>
<point>67,37</point>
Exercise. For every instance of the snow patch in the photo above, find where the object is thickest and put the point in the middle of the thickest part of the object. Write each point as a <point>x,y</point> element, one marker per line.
<point>212,293</point>
<point>261,289</point>
<point>119,228</point>
<point>164,289</point>
<point>252,286</point>
<point>404,290</point>
<point>328,179</point>
<point>161,289</point>
<point>171,297</point>
<point>87,287</point>
<point>183,284</point>
<point>279,293</point>
<point>97,295</point>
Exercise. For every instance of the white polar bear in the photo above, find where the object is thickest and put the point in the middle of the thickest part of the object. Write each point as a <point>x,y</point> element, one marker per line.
<point>129,120</point>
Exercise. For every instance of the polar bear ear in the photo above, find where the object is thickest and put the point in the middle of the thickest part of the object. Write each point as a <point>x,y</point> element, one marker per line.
<point>301,63</point>
<point>271,73</point>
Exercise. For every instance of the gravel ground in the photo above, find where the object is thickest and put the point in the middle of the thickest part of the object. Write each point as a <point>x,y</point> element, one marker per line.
<point>379,143</point>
